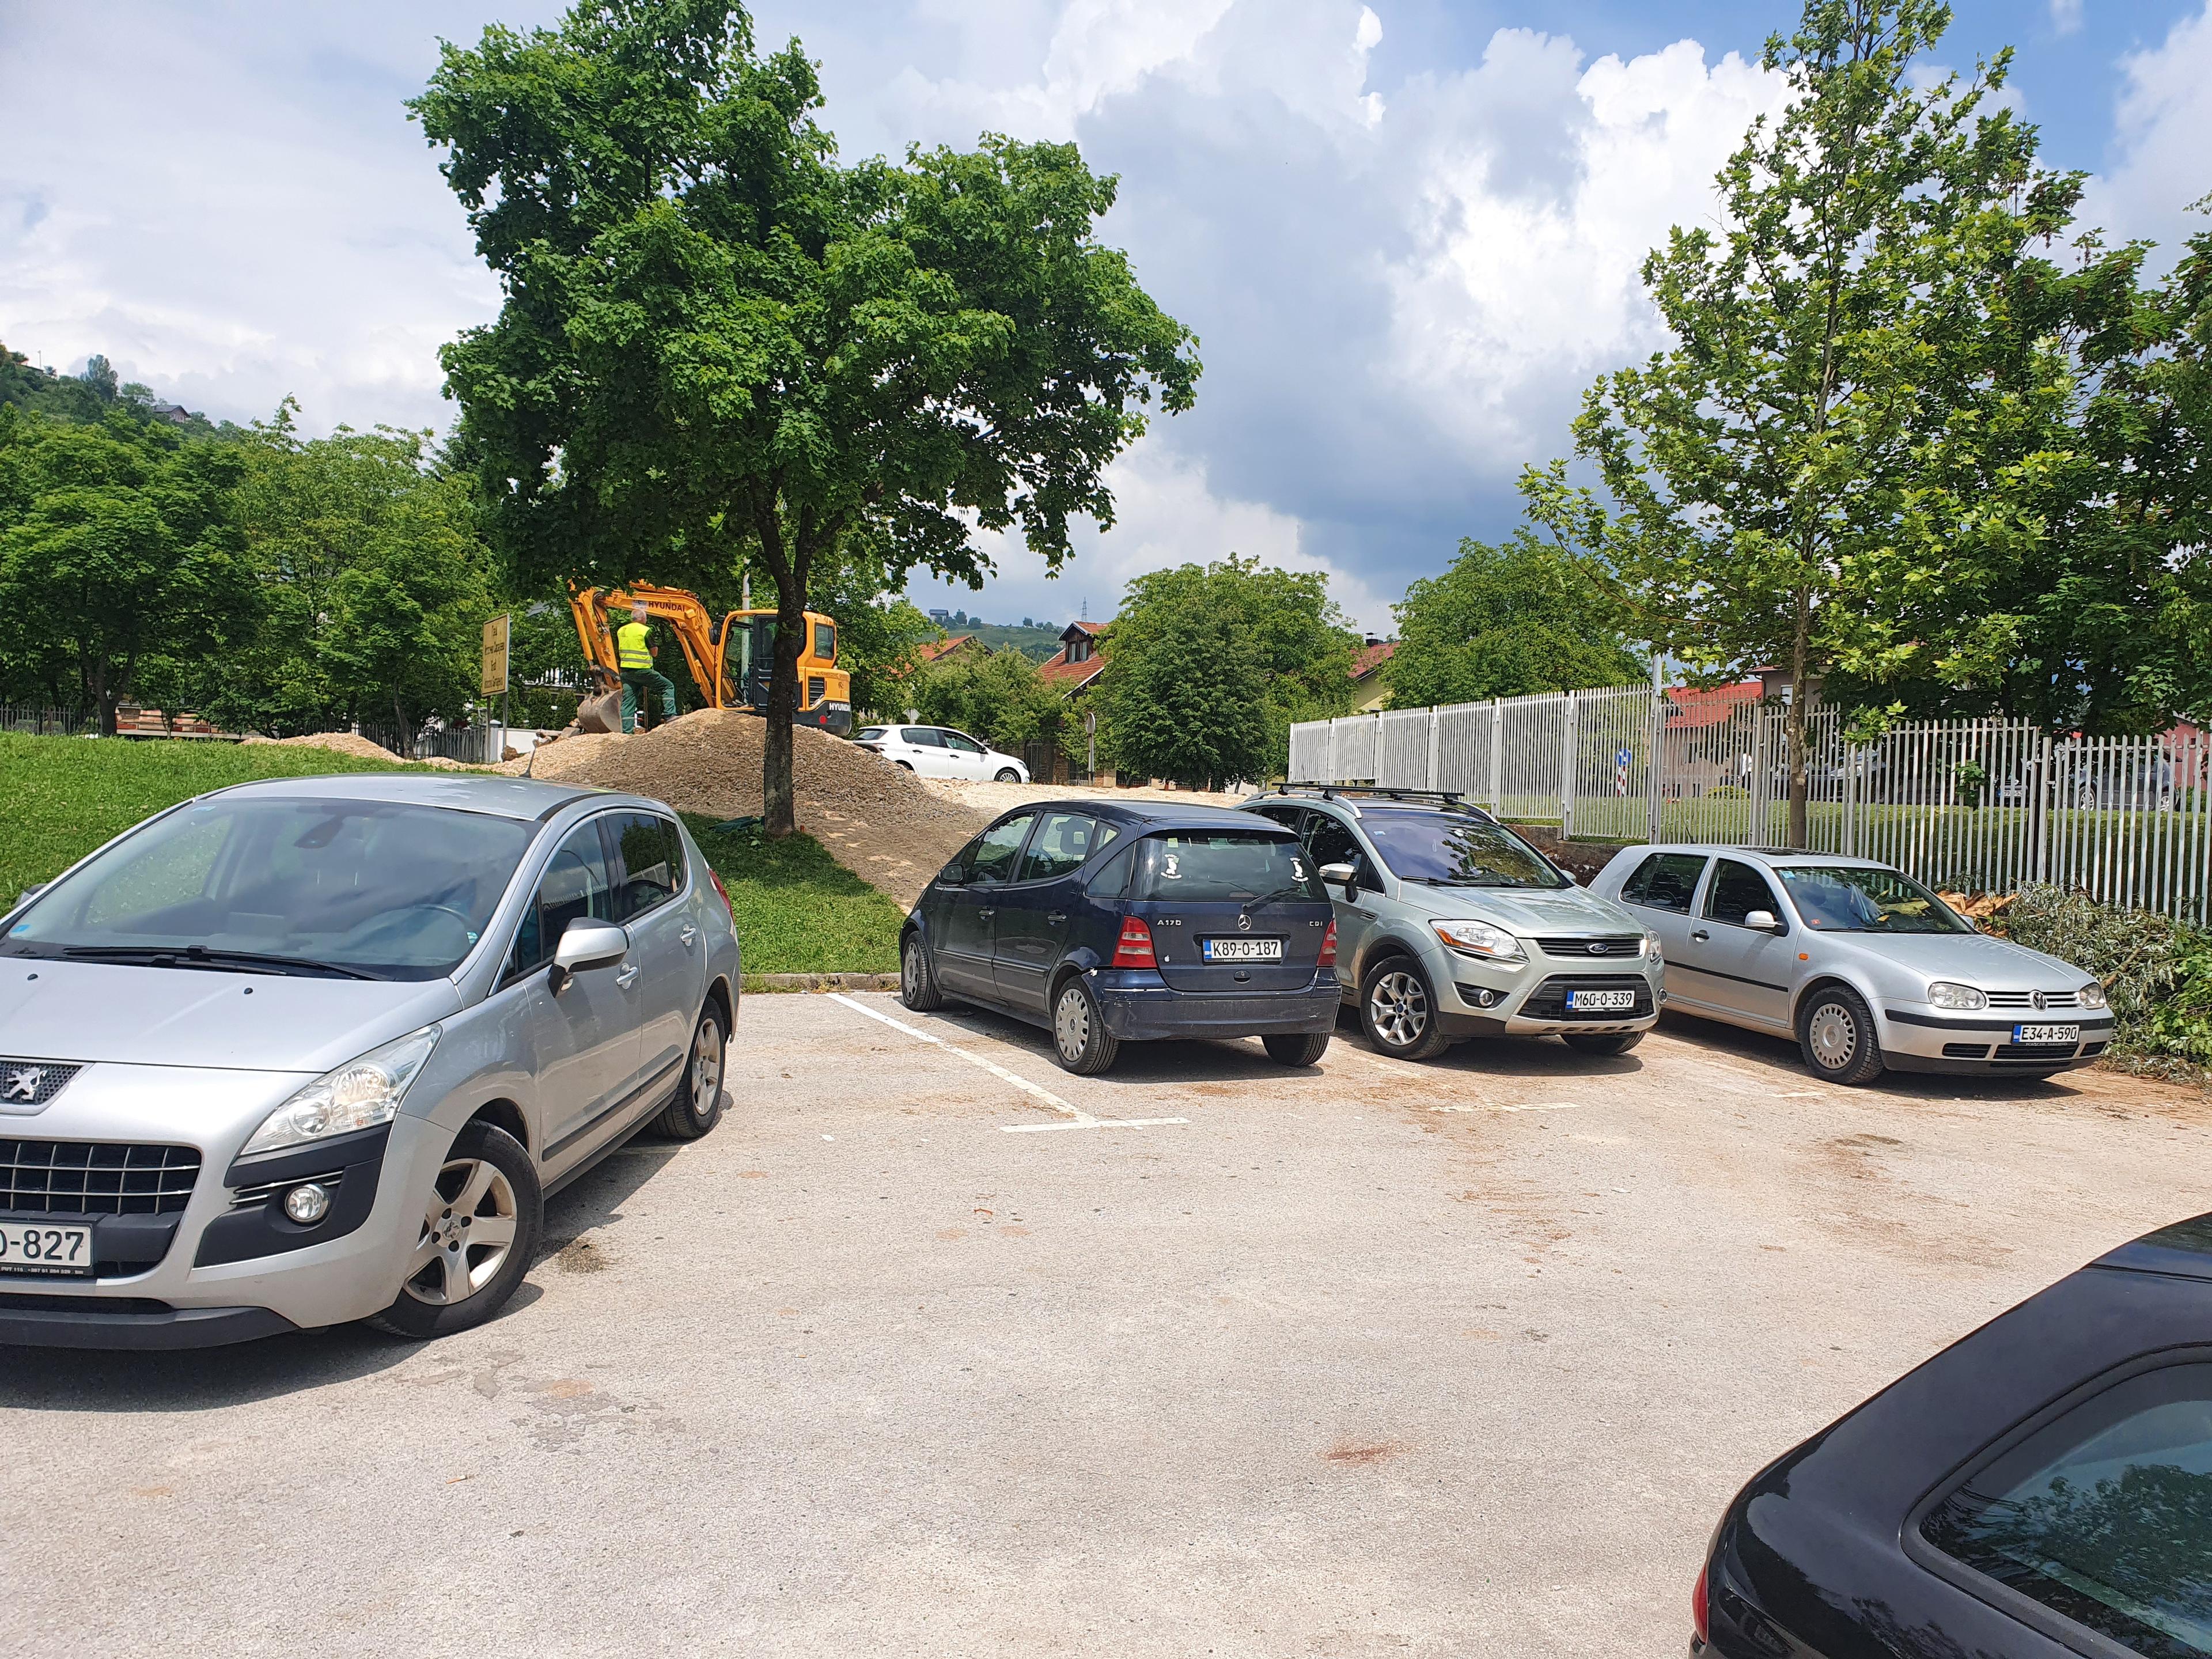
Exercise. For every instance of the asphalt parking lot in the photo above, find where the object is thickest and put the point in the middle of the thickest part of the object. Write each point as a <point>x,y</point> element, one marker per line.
<point>932,1348</point>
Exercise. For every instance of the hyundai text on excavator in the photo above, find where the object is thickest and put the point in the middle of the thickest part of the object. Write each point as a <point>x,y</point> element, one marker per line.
<point>730,661</point>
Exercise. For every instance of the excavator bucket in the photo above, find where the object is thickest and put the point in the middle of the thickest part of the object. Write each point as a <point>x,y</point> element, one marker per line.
<point>600,713</point>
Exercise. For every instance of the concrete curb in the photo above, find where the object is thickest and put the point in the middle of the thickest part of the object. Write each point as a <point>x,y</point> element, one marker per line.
<point>773,982</point>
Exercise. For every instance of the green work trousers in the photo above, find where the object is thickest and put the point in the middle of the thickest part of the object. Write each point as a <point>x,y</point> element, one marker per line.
<point>651,679</point>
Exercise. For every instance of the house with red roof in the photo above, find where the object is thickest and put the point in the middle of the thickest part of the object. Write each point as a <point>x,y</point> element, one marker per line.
<point>1369,692</point>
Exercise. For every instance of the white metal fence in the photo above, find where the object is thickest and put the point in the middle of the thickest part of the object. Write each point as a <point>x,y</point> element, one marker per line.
<point>1980,804</point>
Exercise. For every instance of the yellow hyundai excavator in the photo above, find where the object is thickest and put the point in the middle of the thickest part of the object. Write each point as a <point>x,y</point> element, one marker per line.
<point>730,661</point>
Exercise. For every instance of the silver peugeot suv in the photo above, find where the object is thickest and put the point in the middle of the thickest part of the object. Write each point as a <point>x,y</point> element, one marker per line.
<point>1450,926</point>
<point>314,1050</point>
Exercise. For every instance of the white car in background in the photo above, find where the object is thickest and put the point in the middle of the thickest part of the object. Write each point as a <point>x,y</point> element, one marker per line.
<point>938,751</point>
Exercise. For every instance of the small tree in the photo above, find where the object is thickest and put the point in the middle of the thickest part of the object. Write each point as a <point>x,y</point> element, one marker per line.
<point>1505,621</point>
<point>995,694</point>
<point>1766,464</point>
<point>718,343</point>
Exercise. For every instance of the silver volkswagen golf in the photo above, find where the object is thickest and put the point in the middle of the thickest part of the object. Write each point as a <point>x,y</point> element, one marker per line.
<point>310,1051</point>
<point>1865,967</point>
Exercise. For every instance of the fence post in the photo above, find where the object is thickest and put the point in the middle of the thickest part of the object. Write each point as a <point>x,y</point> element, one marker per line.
<point>1757,802</point>
<point>1567,770</point>
<point>1497,760</point>
<point>1436,720</point>
<point>1655,791</point>
<point>2039,822</point>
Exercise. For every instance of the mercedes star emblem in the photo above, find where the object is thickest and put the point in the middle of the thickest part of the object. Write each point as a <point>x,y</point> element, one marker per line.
<point>1243,924</point>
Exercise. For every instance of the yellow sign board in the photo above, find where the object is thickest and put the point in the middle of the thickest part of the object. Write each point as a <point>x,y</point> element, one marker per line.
<point>495,657</point>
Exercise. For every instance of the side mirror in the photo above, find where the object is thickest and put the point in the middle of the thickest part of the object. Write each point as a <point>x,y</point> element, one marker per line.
<point>1765,920</point>
<point>1338,875</point>
<point>28,894</point>
<point>586,945</point>
<point>952,876</point>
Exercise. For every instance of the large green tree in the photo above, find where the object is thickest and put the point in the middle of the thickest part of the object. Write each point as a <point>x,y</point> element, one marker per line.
<point>1506,620</point>
<point>370,591</point>
<point>118,549</point>
<point>1208,666</point>
<point>998,695</point>
<point>719,344</point>
<point>1831,356</point>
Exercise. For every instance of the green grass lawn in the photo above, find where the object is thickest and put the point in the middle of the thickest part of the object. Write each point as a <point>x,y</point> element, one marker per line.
<point>798,909</point>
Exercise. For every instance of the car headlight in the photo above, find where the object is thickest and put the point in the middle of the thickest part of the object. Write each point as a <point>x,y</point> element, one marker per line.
<point>1479,938</point>
<point>1944,993</point>
<point>1651,950</point>
<point>2092,995</point>
<point>359,1094</point>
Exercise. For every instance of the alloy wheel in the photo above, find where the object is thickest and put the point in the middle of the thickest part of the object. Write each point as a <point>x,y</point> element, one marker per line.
<point>1070,1024</point>
<point>910,970</point>
<point>1833,1037</point>
<point>467,1232</point>
<point>706,1069</point>
<point>1398,1008</point>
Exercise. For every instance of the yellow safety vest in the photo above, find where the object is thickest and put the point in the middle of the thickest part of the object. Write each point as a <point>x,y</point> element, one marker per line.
<point>629,646</point>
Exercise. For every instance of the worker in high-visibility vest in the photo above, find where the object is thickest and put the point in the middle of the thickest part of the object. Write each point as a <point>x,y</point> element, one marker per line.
<point>633,655</point>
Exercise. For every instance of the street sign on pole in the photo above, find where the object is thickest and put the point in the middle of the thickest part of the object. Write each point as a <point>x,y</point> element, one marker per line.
<point>495,657</point>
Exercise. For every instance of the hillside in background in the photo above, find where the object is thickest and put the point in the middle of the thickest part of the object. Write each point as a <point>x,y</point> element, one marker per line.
<point>1035,643</point>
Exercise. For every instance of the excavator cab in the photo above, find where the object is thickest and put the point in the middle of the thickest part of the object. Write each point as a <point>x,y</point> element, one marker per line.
<point>730,659</point>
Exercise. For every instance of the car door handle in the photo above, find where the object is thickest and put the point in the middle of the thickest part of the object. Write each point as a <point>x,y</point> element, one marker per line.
<point>1056,917</point>
<point>688,935</point>
<point>626,977</point>
<point>1699,932</point>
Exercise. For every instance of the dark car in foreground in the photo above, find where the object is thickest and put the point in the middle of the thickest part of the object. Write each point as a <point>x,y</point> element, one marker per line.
<point>2042,1488</point>
<point>1109,924</point>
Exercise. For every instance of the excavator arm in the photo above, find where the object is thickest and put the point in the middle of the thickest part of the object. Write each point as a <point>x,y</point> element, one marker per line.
<point>686,618</point>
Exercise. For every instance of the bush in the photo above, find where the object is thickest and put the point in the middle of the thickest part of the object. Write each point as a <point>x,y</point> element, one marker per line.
<point>2157,972</point>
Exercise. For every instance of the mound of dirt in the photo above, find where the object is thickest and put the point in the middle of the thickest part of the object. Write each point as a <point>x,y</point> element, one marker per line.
<point>876,820</point>
<point>343,743</point>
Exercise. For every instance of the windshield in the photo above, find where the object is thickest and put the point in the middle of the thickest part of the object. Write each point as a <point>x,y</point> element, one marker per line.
<point>370,888</point>
<point>1447,851</point>
<point>1843,900</point>
<point>868,734</point>
<point>1233,867</point>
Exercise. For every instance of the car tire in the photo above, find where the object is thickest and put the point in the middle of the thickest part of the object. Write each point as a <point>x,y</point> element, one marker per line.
<point>448,1287</point>
<point>1295,1050</point>
<point>1080,1042</point>
<point>1601,1043</point>
<point>1008,774</point>
<point>1398,1011</point>
<point>903,766</point>
<point>918,986</point>
<point>704,1074</point>
<point>1836,1034</point>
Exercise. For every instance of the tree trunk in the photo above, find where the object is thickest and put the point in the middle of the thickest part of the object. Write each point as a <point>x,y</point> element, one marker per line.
<point>103,697</point>
<point>1800,657</point>
<point>783,709</point>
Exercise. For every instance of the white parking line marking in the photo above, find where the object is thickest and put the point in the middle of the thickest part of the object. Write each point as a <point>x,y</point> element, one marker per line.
<point>1520,1106</point>
<point>1076,1117</point>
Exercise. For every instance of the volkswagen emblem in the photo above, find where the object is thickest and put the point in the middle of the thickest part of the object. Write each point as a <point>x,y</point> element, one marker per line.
<point>1244,925</point>
<point>2038,998</point>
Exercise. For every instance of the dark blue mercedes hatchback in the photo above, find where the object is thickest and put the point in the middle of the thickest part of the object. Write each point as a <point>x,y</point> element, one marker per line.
<point>1109,924</point>
<point>2039,1490</point>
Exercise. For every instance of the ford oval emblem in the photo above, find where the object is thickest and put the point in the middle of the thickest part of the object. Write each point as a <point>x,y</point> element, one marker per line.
<point>1597,947</point>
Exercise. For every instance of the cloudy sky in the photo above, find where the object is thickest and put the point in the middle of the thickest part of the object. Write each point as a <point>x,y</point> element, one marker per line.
<point>1405,231</point>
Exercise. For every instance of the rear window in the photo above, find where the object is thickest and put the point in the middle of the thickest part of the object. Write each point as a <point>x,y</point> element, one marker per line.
<point>1232,865</point>
<point>2104,1516</point>
<point>868,734</point>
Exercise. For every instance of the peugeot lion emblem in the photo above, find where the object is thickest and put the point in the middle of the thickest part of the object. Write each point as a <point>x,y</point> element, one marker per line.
<point>1243,924</point>
<point>23,1084</point>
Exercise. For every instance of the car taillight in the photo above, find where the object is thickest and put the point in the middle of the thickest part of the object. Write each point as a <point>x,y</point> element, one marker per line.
<point>1701,1621</point>
<point>1328,948</point>
<point>732,908</point>
<point>1135,948</point>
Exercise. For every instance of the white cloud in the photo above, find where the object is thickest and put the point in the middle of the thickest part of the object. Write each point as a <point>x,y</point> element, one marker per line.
<point>2065,16</point>
<point>2163,146</point>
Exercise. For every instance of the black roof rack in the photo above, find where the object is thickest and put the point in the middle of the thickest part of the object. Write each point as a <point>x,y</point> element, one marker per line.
<point>1373,791</point>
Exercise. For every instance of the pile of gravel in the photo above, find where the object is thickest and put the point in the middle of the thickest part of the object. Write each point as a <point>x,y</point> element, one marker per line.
<point>878,821</point>
<point>342,743</point>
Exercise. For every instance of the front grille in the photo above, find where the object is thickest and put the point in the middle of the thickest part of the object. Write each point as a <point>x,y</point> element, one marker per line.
<point>1965,1051</point>
<point>93,1178</point>
<point>1549,999</point>
<point>1607,944</point>
<point>2026,1000</point>
<point>26,1085</point>
<point>2032,1052</point>
<point>143,1307</point>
